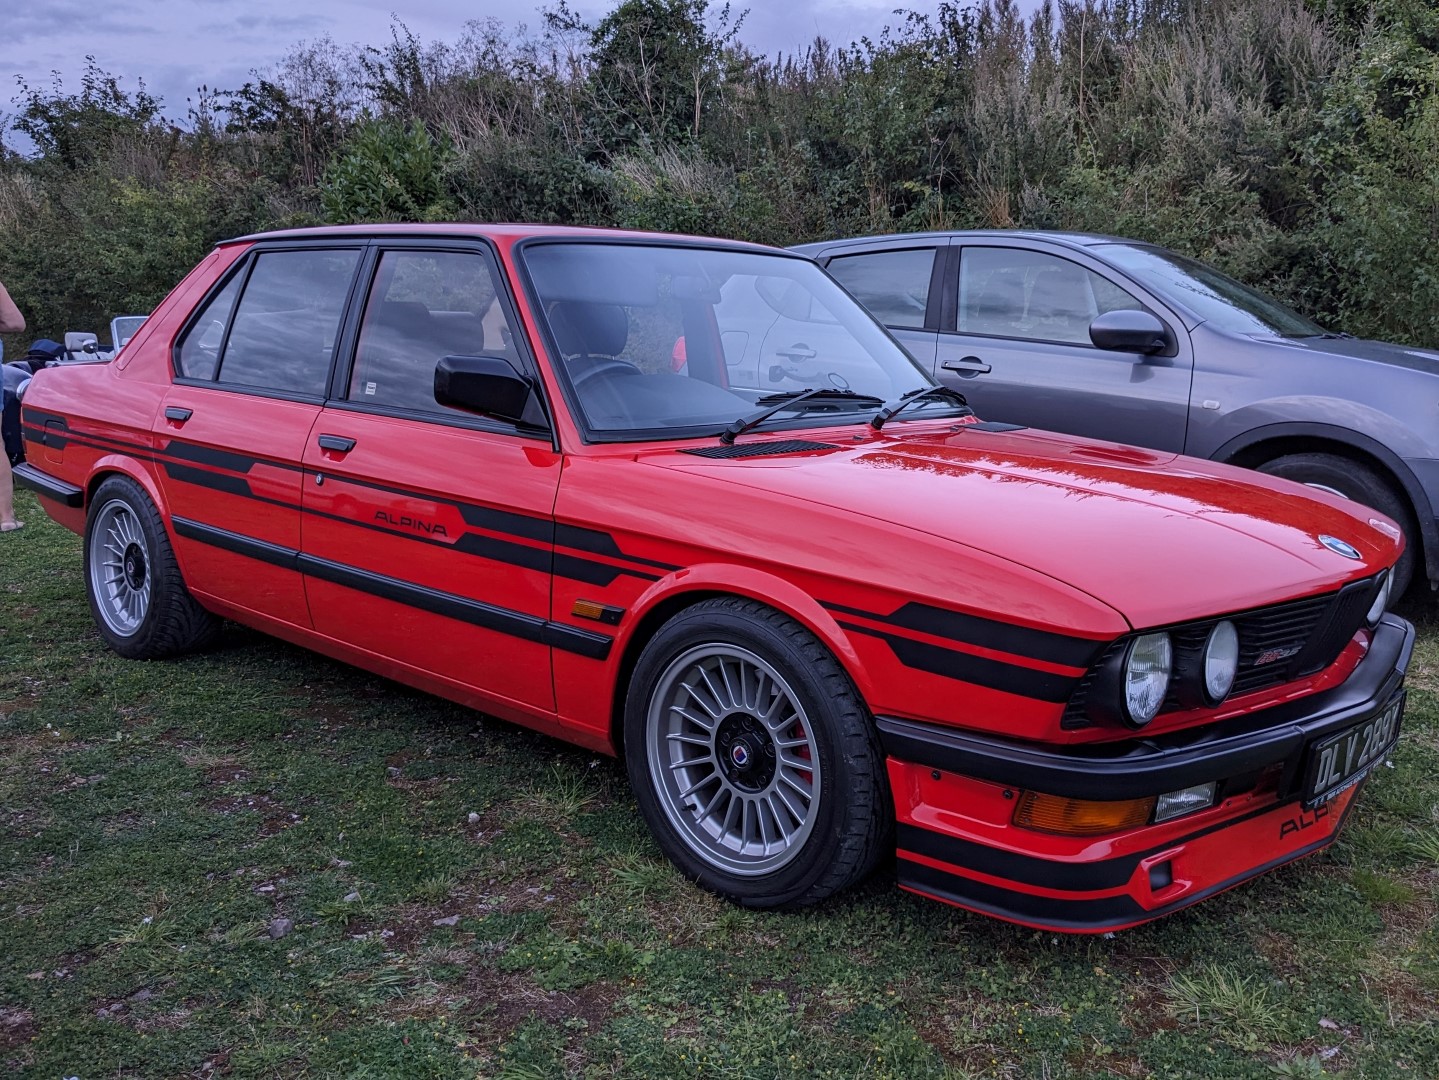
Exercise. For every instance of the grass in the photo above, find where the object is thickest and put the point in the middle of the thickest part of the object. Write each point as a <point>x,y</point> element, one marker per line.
<point>156,819</point>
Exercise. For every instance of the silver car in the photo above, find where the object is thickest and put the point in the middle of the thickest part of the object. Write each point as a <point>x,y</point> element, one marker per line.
<point>1127,341</point>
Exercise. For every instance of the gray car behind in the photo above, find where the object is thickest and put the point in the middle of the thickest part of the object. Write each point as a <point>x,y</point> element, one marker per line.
<point>1126,341</point>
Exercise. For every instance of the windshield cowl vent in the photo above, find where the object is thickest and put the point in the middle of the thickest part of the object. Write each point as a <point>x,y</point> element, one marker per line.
<point>758,449</point>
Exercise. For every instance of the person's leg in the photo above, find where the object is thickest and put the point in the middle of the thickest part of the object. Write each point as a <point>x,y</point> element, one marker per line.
<point>7,497</point>
<point>10,438</point>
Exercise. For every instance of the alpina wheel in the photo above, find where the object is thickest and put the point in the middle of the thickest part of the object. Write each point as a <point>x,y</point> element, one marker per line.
<point>752,757</point>
<point>136,592</point>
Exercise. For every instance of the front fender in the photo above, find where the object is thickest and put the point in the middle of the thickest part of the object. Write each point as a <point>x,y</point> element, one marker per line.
<point>709,578</point>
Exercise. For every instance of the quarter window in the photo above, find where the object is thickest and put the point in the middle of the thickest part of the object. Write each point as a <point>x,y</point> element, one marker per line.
<point>422,307</point>
<point>200,351</point>
<point>1013,293</point>
<point>894,285</point>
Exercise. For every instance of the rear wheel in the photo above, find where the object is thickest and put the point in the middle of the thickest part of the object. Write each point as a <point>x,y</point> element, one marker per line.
<point>1351,480</point>
<point>753,760</point>
<point>136,593</point>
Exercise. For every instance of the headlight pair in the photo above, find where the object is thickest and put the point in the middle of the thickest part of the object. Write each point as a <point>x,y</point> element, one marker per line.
<point>1139,676</point>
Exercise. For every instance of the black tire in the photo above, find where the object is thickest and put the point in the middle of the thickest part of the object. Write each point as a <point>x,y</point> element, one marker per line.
<point>137,595</point>
<point>1346,477</point>
<point>790,745</point>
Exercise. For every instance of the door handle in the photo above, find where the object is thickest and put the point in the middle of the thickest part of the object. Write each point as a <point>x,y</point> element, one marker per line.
<point>966,366</point>
<point>338,443</point>
<point>797,352</point>
<point>177,415</point>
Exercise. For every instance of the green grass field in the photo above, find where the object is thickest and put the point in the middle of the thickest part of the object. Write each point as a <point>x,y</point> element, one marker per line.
<point>155,818</point>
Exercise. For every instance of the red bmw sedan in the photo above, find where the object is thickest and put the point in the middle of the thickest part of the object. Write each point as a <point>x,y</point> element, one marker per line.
<point>565,476</point>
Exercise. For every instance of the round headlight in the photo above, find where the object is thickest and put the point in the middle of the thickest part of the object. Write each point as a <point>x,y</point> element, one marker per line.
<point>1147,667</point>
<point>1381,601</point>
<point>1221,661</point>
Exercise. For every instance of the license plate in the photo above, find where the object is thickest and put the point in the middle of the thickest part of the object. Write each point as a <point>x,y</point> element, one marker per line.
<point>1340,761</point>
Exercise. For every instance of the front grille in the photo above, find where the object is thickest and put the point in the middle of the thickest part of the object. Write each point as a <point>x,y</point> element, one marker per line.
<point>1276,644</point>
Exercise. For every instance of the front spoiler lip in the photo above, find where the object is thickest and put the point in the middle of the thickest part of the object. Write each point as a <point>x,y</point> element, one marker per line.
<point>1138,768</point>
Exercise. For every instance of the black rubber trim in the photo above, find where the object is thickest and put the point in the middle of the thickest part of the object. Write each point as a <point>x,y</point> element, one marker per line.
<point>260,550</point>
<point>475,612</point>
<point>1140,767</point>
<point>996,425</point>
<point>47,487</point>
<point>1023,641</point>
<point>1091,914</point>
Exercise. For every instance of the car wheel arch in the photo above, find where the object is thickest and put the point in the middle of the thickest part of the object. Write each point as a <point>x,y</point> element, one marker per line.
<point>1263,445</point>
<point>668,598</point>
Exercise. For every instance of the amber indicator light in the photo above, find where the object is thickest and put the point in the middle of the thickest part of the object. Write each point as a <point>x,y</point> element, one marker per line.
<point>1079,817</point>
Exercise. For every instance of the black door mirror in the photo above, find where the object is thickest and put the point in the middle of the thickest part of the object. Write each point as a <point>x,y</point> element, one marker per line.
<point>488,385</point>
<point>1129,330</point>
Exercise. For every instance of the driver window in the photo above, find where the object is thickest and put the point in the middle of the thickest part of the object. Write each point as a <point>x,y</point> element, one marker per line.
<point>422,307</point>
<point>1014,293</point>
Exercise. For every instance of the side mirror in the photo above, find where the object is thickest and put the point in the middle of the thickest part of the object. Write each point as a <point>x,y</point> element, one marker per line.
<point>488,385</point>
<point>1129,330</point>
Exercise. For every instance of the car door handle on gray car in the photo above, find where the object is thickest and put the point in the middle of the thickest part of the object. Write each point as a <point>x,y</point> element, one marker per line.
<point>966,366</point>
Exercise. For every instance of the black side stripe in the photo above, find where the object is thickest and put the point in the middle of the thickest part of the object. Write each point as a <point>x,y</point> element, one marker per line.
<point>1006,637</point>
<point>461,608</point>
<point>226,482</point>
<point>980,670</point>
<point>178,450</point>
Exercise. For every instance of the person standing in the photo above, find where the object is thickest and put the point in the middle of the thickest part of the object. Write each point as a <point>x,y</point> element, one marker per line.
<point>11,322</point>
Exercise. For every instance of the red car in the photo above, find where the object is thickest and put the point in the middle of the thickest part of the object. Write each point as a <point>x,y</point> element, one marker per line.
<point>1076,685</point>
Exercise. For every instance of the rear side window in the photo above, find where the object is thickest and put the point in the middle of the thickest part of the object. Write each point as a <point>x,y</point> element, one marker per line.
<point>280,335</point>
<point>422,307</point>
<point>894,285</point>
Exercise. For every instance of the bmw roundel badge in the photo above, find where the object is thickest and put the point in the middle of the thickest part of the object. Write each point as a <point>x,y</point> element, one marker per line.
<point>1339,547</point>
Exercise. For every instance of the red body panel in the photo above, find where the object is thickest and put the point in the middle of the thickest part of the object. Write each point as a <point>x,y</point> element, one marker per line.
<point>964,578</point>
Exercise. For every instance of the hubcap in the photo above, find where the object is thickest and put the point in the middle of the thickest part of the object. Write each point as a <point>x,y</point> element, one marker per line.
<point>733,758</point>
<point>119,568</point>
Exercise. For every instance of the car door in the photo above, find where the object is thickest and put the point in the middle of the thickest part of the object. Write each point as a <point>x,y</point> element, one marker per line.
<point>428,532</point>
<point>899,282</point>
<point>1019,348</point>
<point>251,371</point>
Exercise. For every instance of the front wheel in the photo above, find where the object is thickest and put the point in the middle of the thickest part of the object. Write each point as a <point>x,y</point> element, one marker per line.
<point>752,757</point>
<point>136,593</point>
<point>1350,480</point>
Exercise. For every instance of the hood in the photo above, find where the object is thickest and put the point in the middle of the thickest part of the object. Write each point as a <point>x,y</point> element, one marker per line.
<point>1379,352</point>
<point>1158,537</point>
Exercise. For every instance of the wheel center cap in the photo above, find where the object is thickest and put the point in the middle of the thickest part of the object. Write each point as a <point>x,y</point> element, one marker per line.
<point>134,566</point>
<point>741,754</point>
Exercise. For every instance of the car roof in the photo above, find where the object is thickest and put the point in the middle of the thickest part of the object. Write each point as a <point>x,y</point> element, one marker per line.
<point>1072,239</point>
<point>507,231</point>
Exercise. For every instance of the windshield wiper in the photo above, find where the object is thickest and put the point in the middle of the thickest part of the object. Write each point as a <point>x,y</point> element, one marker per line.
<point>780,402</point>
<point>924,393</point>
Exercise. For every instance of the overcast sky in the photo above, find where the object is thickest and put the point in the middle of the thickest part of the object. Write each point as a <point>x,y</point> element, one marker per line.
<point>177,45</point>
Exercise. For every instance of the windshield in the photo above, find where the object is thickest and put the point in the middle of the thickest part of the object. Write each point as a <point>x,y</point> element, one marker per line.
<point>681,342</point>
<point>1213,296</point>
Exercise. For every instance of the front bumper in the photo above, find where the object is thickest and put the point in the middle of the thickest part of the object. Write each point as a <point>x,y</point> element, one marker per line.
<point>954,792</point>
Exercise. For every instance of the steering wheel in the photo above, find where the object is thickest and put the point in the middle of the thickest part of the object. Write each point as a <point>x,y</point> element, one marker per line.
<point>594,366</point>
